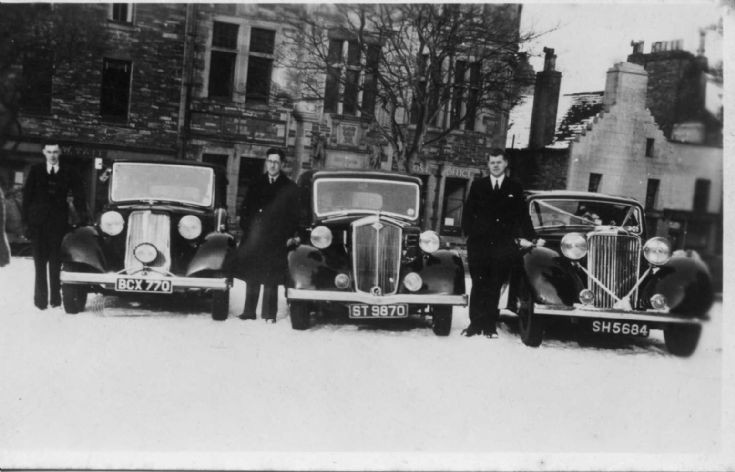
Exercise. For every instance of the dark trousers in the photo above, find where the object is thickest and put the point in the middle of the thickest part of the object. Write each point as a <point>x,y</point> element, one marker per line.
<point>488,278</point>
<point>46,249</point>
<point>270,300</point>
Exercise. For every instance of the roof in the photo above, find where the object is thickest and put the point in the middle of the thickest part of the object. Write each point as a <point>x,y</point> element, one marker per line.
<point>582,195</point>
<point>372,174</point>
<point>580,110</point>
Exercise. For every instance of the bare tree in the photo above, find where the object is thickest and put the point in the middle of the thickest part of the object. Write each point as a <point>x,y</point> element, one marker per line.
<point>428,69</point>
<point>59,35</point>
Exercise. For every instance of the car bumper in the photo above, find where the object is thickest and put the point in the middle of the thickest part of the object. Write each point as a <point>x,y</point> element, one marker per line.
<point>649,316</point>
<point>368,299</point>
<point>109,280</point>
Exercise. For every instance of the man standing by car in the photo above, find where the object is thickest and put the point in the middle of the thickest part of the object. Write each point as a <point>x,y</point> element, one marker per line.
<point>495,222</point>
<point>268,218</point>
<point>45,214</point>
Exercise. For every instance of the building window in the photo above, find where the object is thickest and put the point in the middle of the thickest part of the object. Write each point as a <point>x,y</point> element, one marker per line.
<point>594,183</point>
<point>652,193</point>
<point>701,195</point>
<point>121,12</point>
<point>223,59</point>
<point>115,97</point>
<point>260,65</point>
<point>348,72</point>
<point>649,147</point>
<point>38,70</point>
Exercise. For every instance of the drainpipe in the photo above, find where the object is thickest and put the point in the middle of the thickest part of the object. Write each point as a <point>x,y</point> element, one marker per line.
<point>184,124</point>
<point>298,114</point>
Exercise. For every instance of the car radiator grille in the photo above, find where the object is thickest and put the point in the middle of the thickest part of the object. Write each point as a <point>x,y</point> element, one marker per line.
<point>148,227</point>
<point>376,256</point>
<point>614,260</point>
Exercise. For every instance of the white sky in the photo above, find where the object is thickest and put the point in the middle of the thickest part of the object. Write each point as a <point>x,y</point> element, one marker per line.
<point>590,38</point>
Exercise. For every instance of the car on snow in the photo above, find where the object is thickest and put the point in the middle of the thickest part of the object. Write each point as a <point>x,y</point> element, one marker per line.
<point>364,256</point>
<point>601,270</point>
<point>163,230</point>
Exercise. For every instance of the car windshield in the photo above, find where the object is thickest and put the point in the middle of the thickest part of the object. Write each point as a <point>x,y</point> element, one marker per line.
<point>343,195</point>
<point>173,183</point>
<point>559,213</point>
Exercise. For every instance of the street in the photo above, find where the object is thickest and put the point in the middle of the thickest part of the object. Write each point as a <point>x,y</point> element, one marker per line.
<point>158,383</point>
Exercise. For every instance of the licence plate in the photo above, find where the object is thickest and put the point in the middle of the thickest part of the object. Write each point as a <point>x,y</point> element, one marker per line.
<point>627,328</point>
<point>378,311</point>
<point>135,284</point>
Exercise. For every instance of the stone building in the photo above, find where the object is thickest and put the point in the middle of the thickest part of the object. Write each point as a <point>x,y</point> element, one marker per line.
<point>208,82</point>
<point>126,105</point>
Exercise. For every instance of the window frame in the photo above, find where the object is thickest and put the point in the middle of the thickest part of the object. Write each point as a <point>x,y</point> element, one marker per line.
<point>129,16</point>
<point>106,116</point>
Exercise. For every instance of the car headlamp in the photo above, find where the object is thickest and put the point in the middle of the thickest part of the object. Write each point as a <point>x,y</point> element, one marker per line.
<point>112,223</point>
<point>342,281</point>
<point>145,253</point>
<point>658,302</point>
<point>413,281</point>
<point>190,227</point>
<point>574,246</point>
<point>657,251</point>
<point>429,241</point>
<point>321,237</point>
<point>586,297</point>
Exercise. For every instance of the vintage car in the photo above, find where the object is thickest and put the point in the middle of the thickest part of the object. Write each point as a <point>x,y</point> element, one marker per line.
<point>162,231</point>
<point>599,269</point>
<point>363,252</point>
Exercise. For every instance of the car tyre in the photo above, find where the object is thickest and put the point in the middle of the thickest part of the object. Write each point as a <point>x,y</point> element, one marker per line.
<point>441,320</point>
<point>220,304</point>
<point>74,298</point>
<point>300,315</point>
<point>530,325</point>
<point>682,340</point>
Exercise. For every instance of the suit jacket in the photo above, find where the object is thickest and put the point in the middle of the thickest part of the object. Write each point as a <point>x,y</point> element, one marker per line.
<point>268,217</point>
<point>45,198</point>
<point>493,220</point>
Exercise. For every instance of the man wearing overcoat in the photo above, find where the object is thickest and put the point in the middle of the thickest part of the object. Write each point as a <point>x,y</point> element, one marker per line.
<point>45,214</point>
<point>269,219</point>
<point>496,222</point>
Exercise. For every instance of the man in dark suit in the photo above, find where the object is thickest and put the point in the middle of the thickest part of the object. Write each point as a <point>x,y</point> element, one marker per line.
<point>496,222</point>
<point>45,214</point>
<point>269,219</point>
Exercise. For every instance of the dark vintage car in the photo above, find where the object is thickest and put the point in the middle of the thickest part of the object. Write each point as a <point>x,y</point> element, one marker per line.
<point>599,269</point>
<point>162,231</point>
<point>364,254</point>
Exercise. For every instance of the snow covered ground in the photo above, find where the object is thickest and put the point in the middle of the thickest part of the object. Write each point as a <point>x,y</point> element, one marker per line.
<point>151,385</point>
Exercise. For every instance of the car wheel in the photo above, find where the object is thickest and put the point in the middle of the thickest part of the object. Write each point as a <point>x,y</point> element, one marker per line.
<point>74,298</point>
<point>220,304</point>
<point>530,325</point>
<point>682,340</point>
<point>300,315</point>
<point>441,320</point>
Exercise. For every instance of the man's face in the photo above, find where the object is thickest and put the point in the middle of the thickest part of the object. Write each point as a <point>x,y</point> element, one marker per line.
<point>497,165</point>
<point>273,164</point>
<point>52,153</point>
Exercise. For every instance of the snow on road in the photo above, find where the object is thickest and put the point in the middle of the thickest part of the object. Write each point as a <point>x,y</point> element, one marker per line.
<point>158,383</point>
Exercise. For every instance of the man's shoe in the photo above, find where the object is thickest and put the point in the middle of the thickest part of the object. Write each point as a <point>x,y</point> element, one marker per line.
<point>491,334</point>
<point>270,320</point>
<point>471,331</point>
<point>246,317</point>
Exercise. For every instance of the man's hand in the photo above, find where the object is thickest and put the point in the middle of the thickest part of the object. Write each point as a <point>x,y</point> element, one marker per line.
<point>293,242</point>
<point>524,243</point>
<point>540,242</point>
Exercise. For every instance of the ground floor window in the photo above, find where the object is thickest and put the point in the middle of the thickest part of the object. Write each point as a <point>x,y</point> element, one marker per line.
<point>451,217</point>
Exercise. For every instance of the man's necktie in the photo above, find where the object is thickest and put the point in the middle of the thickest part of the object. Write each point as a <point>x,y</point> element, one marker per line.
<point>52,171</point>
<point>497,187</point>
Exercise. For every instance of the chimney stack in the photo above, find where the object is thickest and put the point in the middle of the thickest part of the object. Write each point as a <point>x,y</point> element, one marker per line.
<point>545,103</point>
<point>626,84</point>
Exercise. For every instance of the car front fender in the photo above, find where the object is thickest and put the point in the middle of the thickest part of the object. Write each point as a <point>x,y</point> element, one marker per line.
<point>311,268</point>
<point>552,277</point>
<point>686,284</point>
<point>82,246</point>
<point>443,272</point>
<point>212,254</point>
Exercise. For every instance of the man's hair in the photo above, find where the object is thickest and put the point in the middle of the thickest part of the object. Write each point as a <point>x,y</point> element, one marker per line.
<point>49,142</point>
<point>278,151</point>
<point>497,152</point>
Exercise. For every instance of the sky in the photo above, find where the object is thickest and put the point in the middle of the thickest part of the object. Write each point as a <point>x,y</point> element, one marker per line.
<point>588,39</point>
